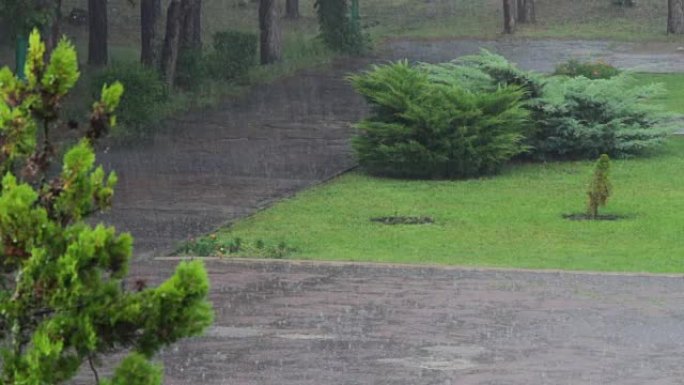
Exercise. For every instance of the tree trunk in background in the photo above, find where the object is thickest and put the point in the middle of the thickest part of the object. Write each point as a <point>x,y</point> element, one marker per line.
<point>675,16</point>
<point>292,9</point>
<point>191,24</point>
<point>509,16</point>
<point>526,13</point>
<point>97,37</point>
<point>171,42</point>
<point>150,32</point>
<point>196,30</point>
<point>270,40</point>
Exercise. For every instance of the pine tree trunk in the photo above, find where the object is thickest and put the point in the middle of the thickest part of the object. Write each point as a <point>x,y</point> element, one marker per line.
<point>191,24</point>
<point>196,37</point>
<point>509,15</point>
<point>526,12</point>
<point>675,16</point>
<point>292,9</point>
<point>271,50</point>
<point>171,42</point>
<point>150,31</point>
<point>97,37</point>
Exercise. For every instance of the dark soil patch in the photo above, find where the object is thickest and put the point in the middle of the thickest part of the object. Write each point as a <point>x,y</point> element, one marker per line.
<point>398,220</point>
<point>585,217</point>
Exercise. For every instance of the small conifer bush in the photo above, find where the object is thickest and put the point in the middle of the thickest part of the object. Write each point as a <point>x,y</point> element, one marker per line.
<point>600,187</point>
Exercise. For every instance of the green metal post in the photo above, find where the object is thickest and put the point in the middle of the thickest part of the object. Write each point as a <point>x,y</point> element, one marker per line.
<point>21,50</point>
<point>355,13</point>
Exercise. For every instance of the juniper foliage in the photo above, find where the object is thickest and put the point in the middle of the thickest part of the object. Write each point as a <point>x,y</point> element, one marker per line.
<point>427,125</point>
<point>62,301</point>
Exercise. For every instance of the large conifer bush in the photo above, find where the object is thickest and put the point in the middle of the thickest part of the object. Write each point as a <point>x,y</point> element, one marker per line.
<point>62,300</point>
<point>468,117</point>
<point>577,117</point>
<point>424,125</point>
<point>580,118</point>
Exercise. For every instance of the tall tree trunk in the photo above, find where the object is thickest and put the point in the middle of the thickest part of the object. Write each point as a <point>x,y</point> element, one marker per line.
<point>97,37</point>
<point>191,24</point>
<point>150,31</point>
<point>270,40</point>
<point>526,12</point>
<point>675,16</point>
<point>292,9</point>
<point>196,30</point>
<point>171,42</point>
<point>509,16</point>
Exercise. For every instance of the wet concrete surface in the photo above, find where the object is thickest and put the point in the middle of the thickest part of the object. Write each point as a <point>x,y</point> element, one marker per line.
<point>208,168</point>
<point>300,323</point>
<point>543,55</point>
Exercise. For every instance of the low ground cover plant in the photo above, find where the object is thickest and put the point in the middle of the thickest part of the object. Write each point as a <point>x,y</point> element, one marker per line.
<point>469,117</point>
<point>215,246</point>
<point>590,70</point>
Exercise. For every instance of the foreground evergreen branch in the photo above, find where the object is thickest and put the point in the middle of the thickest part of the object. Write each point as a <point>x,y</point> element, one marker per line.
<point>62,301</point>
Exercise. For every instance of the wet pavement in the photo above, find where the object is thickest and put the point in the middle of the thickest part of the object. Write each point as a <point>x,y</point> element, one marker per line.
<point>302,323</point>
<point>208,168</point>
<point>543,55</point>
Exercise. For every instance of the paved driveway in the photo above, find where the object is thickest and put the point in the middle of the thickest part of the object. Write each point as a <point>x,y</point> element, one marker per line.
<point>299,323</point>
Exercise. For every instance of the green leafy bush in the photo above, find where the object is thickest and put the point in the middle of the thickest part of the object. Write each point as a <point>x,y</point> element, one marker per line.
<point>145,101</point>
<point>337,30</point>
<point>234,54</point>
<point>590,70</point>
<point>191,69</point>
<point>421,127</point>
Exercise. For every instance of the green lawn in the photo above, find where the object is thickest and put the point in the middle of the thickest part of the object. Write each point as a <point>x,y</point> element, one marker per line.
<point>512,220</point>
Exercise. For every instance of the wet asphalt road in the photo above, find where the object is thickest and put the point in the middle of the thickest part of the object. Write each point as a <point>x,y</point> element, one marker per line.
<point>300,323</point>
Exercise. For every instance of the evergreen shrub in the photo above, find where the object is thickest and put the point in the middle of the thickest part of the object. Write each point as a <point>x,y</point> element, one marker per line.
<point>234,54</point>
<point>338,32</point>
<point>145,100</point>
<point>421,127</point>
<point>468,117</point>
<point>580,118</point>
